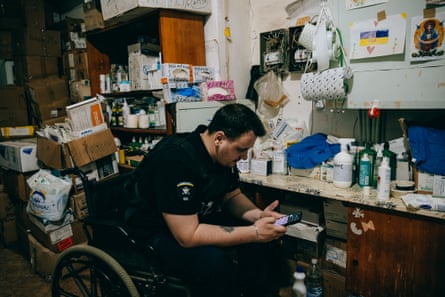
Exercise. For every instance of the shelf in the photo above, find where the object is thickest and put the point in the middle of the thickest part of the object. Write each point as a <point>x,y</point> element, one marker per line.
<point>151,131</point>
<point>135,93</point>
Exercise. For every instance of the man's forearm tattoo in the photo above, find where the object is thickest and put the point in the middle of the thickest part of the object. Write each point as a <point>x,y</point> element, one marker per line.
<point>228,229</point>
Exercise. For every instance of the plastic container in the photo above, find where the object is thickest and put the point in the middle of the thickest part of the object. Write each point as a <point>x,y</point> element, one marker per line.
<point>392,159</point>
<point>314,281</point>
<point>299,287</point>
<point>343,163</point>
<point>372,158</point>
<point>384,180</point>
<point>364,178</point>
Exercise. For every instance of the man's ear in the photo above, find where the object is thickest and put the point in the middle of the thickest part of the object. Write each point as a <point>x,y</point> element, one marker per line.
<point>219,136</point>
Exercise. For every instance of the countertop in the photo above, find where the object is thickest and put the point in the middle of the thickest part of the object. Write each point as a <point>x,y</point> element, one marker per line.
<point>353,195</point>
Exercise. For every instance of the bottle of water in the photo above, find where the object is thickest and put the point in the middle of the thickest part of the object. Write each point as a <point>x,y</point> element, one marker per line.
<point>299,288</point>
<point>314,280</point>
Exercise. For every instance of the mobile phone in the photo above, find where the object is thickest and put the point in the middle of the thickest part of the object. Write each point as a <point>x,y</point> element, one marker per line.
<point>289,219</point>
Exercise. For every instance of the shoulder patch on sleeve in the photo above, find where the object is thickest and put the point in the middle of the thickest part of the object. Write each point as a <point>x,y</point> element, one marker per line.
<point>185,191</point>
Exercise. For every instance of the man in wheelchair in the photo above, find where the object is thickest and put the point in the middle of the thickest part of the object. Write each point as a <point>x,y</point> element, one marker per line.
<point>193,212</point>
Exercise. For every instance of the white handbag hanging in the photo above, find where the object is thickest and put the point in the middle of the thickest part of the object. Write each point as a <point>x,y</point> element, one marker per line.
<point>327,83</point>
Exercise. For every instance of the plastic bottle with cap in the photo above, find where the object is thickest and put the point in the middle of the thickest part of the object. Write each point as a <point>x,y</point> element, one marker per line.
<point>343,163</point>
<point>364,178</point>
<point>299,287</point>
<point>125,112</point>
<point>314,280</point>
<point>384,180</point>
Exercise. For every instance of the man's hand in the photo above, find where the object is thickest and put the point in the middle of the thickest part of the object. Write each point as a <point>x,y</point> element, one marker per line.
<point>270,212</point>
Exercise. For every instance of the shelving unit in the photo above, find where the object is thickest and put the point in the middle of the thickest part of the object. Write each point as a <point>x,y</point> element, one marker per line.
<point>180,36</point>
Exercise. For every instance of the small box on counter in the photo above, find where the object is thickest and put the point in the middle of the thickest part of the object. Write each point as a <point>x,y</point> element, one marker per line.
<point>261,166</point>
<point>439,186</point>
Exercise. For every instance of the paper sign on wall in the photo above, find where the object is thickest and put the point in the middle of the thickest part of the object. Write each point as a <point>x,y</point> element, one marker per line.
<point>373,38</point>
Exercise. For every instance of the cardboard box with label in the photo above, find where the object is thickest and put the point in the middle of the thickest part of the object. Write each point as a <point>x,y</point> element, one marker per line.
<point>19,155</point>
<point>78,152</point>
<point>130,9</point>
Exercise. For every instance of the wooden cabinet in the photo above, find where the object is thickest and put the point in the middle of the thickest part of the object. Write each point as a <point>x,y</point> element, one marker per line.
<point>179,34</point>
<point>394,255</point>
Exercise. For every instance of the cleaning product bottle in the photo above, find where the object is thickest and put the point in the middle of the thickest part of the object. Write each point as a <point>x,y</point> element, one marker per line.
<point>392,159</point>
<point>343,168</point>
<point>384,180</point>
<point>372,158</point>
<point>364,179</point>
<point>299,288</point>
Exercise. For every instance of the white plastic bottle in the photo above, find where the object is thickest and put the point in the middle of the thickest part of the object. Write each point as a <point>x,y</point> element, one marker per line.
<point>384,180</point>
<point>299,288</point>
<point>343,162</point>
<point>125,112</point>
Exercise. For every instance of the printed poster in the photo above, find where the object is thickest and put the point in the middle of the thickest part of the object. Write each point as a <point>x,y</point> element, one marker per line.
<point>372,38</point>
<point>426,38</point>
<point>354,4</point>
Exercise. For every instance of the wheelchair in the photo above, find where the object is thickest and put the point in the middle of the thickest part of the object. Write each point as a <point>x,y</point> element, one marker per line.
<point>114,262</point>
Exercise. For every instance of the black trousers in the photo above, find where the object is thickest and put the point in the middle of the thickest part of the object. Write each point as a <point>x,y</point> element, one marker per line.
<point>245,270</point>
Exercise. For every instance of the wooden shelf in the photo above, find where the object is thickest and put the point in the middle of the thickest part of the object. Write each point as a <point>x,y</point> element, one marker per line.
<point>151,131</point>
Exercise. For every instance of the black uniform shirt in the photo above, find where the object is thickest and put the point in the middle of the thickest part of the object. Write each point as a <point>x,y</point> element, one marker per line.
<point>179,177</point>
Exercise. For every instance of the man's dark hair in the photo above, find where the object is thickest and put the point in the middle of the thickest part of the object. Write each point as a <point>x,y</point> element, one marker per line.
<point>236,119</point>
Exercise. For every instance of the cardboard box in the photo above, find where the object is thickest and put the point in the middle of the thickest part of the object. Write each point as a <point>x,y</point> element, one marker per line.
<point>8,231</point>
<point>261,166</point>
<point>439,186</point>
<point>78,203</point>
<point>13,107</point>
<point>42,259</point>
<point>16,185</point>
<point>21,131</point>
<point>93,20</point>
<point>49,97</point>
<point>202,74</point>
<point>79,152</point>
<point>62,238</point>
<point>143,72</point>
<point>130,9</point>
<point>5,45</point>
<point>335,255</point>
<point>222,90</point>
<point>80,90</point>
<point>19,155</point>
<point>6,207</point>
<point>34,67</point>
<point>86,116</point>
<point>39,43</point>
<point>424,181</point>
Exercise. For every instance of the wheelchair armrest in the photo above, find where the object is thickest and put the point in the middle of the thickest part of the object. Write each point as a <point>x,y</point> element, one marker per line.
<point>116,228</point>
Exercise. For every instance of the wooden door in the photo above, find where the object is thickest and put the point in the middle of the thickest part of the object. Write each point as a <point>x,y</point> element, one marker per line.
<point>182,37</point>
<point>393,255</point>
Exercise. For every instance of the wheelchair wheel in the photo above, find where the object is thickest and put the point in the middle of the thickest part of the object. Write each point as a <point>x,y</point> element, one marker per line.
<point>86,271</point>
